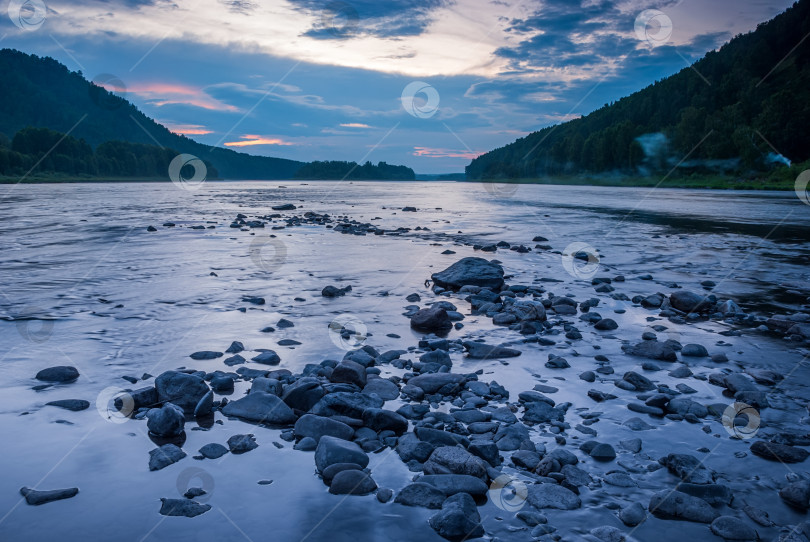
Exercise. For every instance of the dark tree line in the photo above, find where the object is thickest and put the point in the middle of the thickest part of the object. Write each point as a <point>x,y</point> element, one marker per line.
<point>334,170</point>
<point>42,151</point>
<point>746,104</point>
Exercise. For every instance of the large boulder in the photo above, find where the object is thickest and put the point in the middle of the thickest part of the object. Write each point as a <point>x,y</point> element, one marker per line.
<point>344,403</point>
<point>432,383</point>
<point>260,407</point>
<point>167,421</point>
<point>455,460</point>
<point>303,394</point>
<point>332,451</point>
<point>470,272</point>
<point>553,496</point>
<point>669,504</point>
<point>184,390</point>
<point>476,350</point>
<point>316,427</point>
<point>686,301</point>
<point>458,519</point>
<point>431,319</point>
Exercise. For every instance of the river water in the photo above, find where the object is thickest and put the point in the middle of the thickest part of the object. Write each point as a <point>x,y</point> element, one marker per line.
<point>83,283</point>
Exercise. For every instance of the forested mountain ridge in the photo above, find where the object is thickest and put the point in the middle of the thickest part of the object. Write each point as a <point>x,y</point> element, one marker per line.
<point>42,93</point>
<point>754,113</point>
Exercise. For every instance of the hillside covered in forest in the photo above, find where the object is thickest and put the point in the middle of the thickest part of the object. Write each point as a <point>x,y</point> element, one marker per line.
<point>750,114</point>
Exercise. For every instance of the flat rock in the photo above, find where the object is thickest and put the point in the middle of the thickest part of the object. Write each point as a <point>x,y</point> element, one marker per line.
<point>549,495</point>
<point>213,450</point>
<point>182,507</point>
<point>36,497</point>
<point>652,350</point>
<point>779,452</point>
<point>166,455</point>
<point>476,350</point>
<point>669,504</point>
<point>260,407</point>
<point>732,528</point>
<point>432,383</point>
<point>470,272</point>
<point>206,354</point>
<point>60,373</point>
<point>421,494</point>
<point>74,405</point>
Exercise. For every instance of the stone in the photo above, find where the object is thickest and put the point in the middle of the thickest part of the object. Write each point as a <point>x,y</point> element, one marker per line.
<point>58,374</point>
<point>689,302</point>
<point>222,384</point>
<point>164,456</point>
<point>334,291</point>
<point>669,504</point>
<point>779,452</point>
<point>694,351</point>
<point>603,452</point>
<point>633,515</point>
<point>450,484</point>
<point>240,444</point>
<point>74,405</point>
<point>303,394</point>
<point>36,497</point>
<point>167,421</point>
<point>213,450</point>
<point>476,350</point>
<point>346,404</point>
<point>688,468</point>
<point>732,528</point>
<point>349,372</point>
<point>379,420</point>
<point>458,519</point>
<point>260,407</point>
<point>432,383</point>
<point>606,324</point>
<point>383,388</point>
<point>182,507</point>
<point>432,319</point>
<point>316,427</point>
<point>235,348</point>
<point>652,350</point>
<point>470,272</point>
<point>184,390</point>
<point>797,494</point>
<point>384,495</point>
<point>455,460</point>
<point>352,482</point>
<point>333,450</point>
<point>268,357</point>
<point>421,494</point>
<point>205,355</point>
<point>547,495</point>
<point>205,405</point>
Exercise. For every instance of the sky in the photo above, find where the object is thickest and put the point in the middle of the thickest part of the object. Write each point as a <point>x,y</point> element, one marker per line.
<point>430,84</point>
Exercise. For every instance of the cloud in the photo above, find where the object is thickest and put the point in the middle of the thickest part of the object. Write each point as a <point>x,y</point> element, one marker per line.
<point>161,94</point>
<point>355,125</point>
<point>188,129</point>
<point>252,140</point>
<point>426,152</point>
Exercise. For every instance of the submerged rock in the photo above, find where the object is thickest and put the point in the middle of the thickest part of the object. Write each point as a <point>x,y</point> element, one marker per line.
<point>74,405</point>
<point>732,528</point>
<point>36,497</point>
<point>182,507</point>
<point>164,456</point>
<point>549,495</point>
<point>476,350</point>
<point>669,504</point>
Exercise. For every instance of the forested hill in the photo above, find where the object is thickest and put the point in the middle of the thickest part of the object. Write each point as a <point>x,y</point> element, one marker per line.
<point>42,93</point>
<point>760,90</point>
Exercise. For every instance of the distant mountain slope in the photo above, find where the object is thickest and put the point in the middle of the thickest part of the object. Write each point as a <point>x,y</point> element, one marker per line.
<point>759,96</point>
<point>42,93</point>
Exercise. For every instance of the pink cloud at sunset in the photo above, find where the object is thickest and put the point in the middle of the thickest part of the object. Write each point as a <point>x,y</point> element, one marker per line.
<point>188,129</point>
<point>250,140</point>
<point>161,94</point>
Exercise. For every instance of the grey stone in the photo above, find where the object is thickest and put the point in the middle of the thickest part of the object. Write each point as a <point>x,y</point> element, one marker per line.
<point>184,390</point>
<point>260,408</point>
<point>164,456</point>
<point>167,421</point>
<point>333,450</point>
